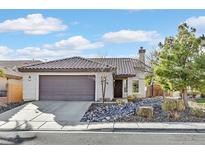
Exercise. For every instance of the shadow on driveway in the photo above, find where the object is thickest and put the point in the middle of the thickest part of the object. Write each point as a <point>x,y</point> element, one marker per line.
<point>39,112</point>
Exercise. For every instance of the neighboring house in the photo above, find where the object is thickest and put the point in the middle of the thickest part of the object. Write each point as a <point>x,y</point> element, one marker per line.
<point>11,86</point>
<point>79,79</point>
<point>14,64</point>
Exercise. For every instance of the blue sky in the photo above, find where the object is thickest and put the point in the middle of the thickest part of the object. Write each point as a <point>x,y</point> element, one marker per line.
<point>52,34</point>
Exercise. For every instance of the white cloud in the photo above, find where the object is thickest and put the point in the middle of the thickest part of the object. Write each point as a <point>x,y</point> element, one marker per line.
<point>74,43</point>
<point>36,52</point>
<point>125,36</point>
<point>197,22</point>
<point>70,47</point>
<point>33,24</point>
<point>4,52</point>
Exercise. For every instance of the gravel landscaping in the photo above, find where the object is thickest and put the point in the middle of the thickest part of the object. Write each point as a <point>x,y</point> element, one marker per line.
<point>10,106</point>
<point>109,112</point>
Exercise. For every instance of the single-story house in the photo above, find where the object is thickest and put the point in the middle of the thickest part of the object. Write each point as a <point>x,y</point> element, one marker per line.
<point>79,79</point>
<point>11,86</point>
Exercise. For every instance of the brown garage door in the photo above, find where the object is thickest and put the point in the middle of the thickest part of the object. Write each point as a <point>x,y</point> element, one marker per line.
<point>67,88</point>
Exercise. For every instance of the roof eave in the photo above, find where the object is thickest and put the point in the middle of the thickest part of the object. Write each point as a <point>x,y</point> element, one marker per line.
<point>124,75</point>
<point>65,70</point>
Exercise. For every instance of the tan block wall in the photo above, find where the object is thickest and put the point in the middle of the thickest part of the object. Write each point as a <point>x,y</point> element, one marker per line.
<point>14,89</point>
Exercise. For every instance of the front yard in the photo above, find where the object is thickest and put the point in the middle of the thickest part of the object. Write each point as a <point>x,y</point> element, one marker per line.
<point>128,112</point>
<point>201,100</point>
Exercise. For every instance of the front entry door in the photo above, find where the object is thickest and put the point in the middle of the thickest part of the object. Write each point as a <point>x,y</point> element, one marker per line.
<point>118,89</point>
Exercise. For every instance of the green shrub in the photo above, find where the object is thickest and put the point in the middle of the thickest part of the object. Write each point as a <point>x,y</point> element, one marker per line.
<point>197,113</point>
<point>131,98</point>
<point>202,95</point>
<point>173,105</point>
<point>200,100</point>
<point>120,101</point>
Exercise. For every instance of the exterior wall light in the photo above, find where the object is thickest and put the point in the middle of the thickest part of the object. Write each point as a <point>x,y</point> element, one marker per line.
<point>29,78</point>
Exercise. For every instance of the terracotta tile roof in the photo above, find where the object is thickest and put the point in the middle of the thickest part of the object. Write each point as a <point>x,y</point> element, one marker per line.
<point>76,64</point>
<point>122,67</point>
<point>9,73</point>
<point>125,66</point>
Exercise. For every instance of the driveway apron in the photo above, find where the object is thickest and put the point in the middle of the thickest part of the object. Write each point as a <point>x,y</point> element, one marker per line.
<point>39,113</point>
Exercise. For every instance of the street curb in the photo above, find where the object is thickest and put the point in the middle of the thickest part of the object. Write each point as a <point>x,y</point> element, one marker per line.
<point>120,126</point>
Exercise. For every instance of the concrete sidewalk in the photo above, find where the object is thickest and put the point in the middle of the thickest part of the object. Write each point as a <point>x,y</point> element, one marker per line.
<point>112,126</point>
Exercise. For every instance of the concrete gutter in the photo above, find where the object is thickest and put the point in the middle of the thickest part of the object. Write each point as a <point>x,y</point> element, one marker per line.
<point>111,126</point>
<point>130,126</point>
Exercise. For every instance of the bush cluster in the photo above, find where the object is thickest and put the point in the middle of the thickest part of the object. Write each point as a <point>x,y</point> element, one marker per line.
<point>120,101</point>
<point>173,107</point>
<point>197,113</point>
<point>133,98</point>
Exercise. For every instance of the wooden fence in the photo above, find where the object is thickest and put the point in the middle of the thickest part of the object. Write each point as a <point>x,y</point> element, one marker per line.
<point>14,90</point>
<point>156,90</point>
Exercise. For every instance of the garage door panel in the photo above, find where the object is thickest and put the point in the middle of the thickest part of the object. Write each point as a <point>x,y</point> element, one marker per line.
<point>67,88</point>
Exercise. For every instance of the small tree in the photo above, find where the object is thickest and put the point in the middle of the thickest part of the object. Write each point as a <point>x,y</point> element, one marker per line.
<point>199,80</point>
<point>103,78</point>
<point>103,85</point>
<point>150,80</point>
<point>176,69</point>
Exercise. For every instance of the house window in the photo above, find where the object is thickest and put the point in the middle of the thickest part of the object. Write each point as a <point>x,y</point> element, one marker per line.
<point>135,86</point>
<point>126,86</point>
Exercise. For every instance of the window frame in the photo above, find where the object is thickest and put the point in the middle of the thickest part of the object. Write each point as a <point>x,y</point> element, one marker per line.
<point>137,89</point>
<point>126,86</point>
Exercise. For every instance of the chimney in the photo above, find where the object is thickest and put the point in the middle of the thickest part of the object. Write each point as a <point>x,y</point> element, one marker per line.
<point>142,54</point>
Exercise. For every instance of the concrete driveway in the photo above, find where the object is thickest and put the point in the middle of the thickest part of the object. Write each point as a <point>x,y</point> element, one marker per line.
<point>44,115</point>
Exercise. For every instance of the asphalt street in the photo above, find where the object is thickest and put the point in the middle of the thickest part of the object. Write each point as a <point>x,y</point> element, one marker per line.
<point>100,138</point>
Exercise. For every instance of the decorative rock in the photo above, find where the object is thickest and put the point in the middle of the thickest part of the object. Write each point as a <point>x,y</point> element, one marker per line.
<point>9,106</point>
<point>112,112</point>
<point>145,111</point>
<point>107,118</point>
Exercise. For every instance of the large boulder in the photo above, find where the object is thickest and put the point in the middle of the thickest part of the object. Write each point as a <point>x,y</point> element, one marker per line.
<point>145,111</point>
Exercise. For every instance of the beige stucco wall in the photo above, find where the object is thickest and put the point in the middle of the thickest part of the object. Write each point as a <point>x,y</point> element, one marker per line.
<point>109,86</point>
<point>140,77</point>
<point>124,93</point>
<point>31,88</point>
